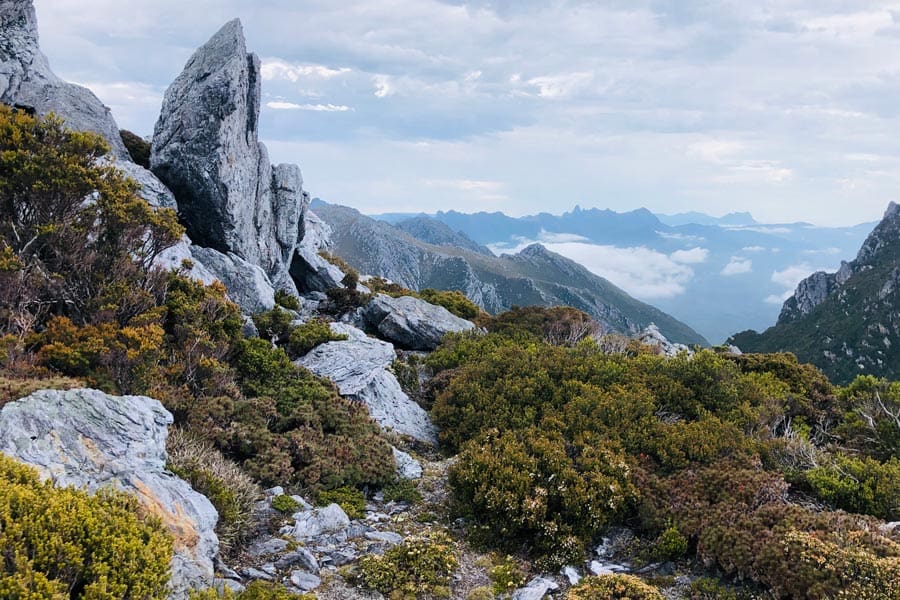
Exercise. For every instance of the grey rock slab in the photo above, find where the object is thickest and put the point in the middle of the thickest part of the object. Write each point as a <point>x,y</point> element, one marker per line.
<point>407,466</point>
<point>313,273</point>
<point>571,574</point>
<point>388,537</point>
<point>268,547</point>
<point>252,574</point>
<point>412,323</point>
<point>152,189</point>
<point>88,439</point>
<point>301,557</point>
<point>305,581</point>
<point>313,523</point>
<point>351,364</point>
<point>174,259</point>
<point>536,589</point>
<point>247,284</point>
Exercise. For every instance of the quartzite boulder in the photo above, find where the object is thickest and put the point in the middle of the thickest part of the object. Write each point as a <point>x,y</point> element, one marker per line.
<point>88,439</point>
<point>412,323</point>
<point>206,149</point>
<point>359,366</point>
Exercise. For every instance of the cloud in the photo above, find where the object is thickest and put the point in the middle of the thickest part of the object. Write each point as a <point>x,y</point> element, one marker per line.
<point>281,105</point>
<point>550,237</point>
<point>680,236</point>
<point>273,69</point>
<point>560,86</point>
<point>640,271</point>
<point>737,266</point>
<point>778,300</point>
<point>690,257</point>
<point>792,275</point>
<point>753,249</point>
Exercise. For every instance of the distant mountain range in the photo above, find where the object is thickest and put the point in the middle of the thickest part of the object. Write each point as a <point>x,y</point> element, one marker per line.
<point>847,322</point>
<point>718,274</point>
<point>423,252</point>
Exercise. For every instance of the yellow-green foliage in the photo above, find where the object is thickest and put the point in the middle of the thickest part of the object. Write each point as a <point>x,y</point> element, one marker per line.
<point>304,338</point>
<point>419,567</point>
<point>16,388</point>
<point>481,593</point>
<point>58,544</point>
<point>861,485</point>
<point>285,504</point>
<point>506,576</point>
<point>256,590</point>
<point>670,544</point>
<point>351,500</point>
<point>454,301</point>
<point>614,587</point>
<point>531,487</point>
<point>231,491</point>
<point>401,490</point>
<point>287,300</point>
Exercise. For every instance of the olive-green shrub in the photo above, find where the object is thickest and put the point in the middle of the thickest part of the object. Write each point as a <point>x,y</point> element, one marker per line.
<point>530,487</point>
<point>613,587</point>
<point>419,567</point>
<point>350,499</point>
<point>860,485</point>
<point>304,338</point>
<point>62,543</point>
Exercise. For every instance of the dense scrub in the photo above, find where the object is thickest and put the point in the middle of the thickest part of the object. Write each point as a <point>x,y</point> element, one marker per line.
<point>705,455</point>
<point>61,543</point>
<point>82,302</point>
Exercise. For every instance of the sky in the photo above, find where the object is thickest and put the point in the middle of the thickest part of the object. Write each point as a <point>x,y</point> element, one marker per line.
<point>789,109</point>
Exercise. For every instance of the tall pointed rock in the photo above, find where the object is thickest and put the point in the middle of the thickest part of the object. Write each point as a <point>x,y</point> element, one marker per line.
<point>207,151</point>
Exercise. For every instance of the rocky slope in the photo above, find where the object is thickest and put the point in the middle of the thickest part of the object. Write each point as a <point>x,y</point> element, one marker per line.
<point>534,276</point>
<point>847,323</point>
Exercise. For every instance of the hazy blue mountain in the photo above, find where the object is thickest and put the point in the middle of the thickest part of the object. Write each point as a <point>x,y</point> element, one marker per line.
<point>531,276</point>
<point>698,218</point>
<point>719,274</point>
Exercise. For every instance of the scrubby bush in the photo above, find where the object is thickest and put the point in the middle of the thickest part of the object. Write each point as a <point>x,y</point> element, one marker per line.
<point>860,485</point>
<point>230,490</point>
<point>138,148</point>
<point>287,300</point>
<point>871,417</point>
<point>256,590</point>
<point>670,544</point>
<point>506,576</point>
<point>401,490</point>
<point>454,301</point>
<point>530,488</point>
<point>304,338</point>
<point>557,325</point>
<point>64,543</point>
<point>274,325</point>
<point>285,504</point>
<point>419,567</point>
<point>613,587</point>
<point>351,500</point>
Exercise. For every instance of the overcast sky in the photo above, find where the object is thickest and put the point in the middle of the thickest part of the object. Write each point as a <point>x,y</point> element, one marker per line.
<point>787,108</point>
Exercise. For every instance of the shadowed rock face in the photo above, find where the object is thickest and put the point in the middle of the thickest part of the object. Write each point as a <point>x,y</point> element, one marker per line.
<point>206,149</point>
<point>26,80</point>
<point>88,439</point>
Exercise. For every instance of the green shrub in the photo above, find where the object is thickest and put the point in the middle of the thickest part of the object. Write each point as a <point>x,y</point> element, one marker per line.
<point>419,567</point>
<point>274,325</point>
<point>138,148</point>
<point>707,588</point>
<point>304,338</point>
<point>287,300</point>
<point>256,590</point>
<point>481,593</point>
<point>670,544</point>
<point>454,301</point>
<point>350,499</point>
<point>401,490</point>
<point>613,587</point>
<point>60,543</point>
<point>530,488</point>
<point>230,490</point>
<point>506,576</point>
<point>860,485</point>
<point>285,504</point>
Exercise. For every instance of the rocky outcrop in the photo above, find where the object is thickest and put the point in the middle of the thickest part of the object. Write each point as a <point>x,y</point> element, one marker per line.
<point>247,284</point>
<point>412,323</point>
<point>651,336</point>
<point>26,80</point>
<point>359,367</point>
<point>846,323</point>
<point>206,149</point>
<point>88,439</point>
